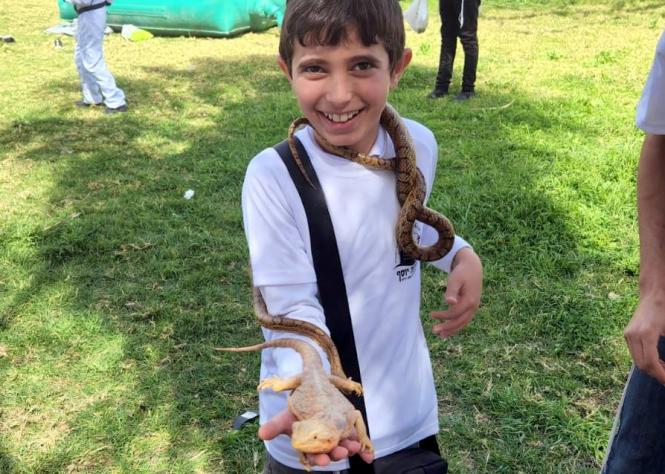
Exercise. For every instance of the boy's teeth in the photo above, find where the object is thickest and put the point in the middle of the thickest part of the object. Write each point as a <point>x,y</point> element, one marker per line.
<point>341,117</point>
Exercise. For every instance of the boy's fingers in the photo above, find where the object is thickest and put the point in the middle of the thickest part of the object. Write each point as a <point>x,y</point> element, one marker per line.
<point>635,348</point>
<point>352,447</point>
<point>339,452</point>
<point>319,459</point>
<point>279,424</point>
<point>282,423</point>
<point>452,327</point>
<point>453,312</point>
<point>452,295</point>
<point>367,457</point>
<point>651,362</point>
<point>448,314</point>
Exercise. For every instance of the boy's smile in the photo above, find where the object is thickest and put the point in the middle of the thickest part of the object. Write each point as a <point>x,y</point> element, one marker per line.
<point>343,89</point>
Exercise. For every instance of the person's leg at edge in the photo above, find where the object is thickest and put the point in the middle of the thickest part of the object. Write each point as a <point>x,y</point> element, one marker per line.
<point>93,58</point>
<point>469,39</point>
<point>637,444</point>
<point>449,12</point>
<point>91,95</point>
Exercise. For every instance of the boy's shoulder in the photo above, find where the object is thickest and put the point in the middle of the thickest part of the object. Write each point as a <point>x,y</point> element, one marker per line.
<point>268,160</point>
<point>423,139</point>
<point>418,131</point>
<point>264,174</point>
<point>266,169</point>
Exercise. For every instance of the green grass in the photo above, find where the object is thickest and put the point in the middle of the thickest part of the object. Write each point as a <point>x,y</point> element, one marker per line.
<point>114,289</point>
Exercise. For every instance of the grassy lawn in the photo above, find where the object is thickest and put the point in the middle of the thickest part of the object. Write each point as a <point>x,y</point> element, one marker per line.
<point>114,288</point>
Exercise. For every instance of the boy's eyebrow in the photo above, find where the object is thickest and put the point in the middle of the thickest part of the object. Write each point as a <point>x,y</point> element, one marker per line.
<point>321,59</point>
<point>365,57</point>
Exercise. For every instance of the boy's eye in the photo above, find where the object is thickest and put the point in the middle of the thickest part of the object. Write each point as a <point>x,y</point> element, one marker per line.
<point>363,66</point>
<point>311,69</point>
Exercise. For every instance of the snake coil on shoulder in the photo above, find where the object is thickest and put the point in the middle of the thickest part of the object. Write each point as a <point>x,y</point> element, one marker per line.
<point>410,186</point>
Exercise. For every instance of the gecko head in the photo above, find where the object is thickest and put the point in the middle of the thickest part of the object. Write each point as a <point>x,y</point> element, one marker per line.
<point>314,436</point>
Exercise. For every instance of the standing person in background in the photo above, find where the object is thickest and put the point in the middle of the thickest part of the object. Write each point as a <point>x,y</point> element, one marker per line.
<point>459,18</point>
<point>97,84</point>
<point>637,444</point>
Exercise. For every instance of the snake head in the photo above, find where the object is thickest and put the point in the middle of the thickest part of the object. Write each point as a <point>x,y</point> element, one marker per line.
<point>314,436</point>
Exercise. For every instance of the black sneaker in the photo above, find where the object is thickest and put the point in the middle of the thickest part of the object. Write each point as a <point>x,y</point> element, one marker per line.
<point>84,105</point>
<point>437,93</point>
<point>115,110</point>
<point>465,95</point>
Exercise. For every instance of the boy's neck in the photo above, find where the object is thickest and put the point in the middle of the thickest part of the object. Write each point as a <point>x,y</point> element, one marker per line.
<point>326,146</point>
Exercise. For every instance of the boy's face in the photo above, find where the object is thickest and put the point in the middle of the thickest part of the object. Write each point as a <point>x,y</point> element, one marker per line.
<point>343,89</point>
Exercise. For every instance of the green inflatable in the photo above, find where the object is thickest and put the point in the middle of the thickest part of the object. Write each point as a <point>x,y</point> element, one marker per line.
<point>198,18</point>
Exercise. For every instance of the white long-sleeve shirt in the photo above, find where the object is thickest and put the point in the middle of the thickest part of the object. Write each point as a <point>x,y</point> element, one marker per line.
<point>383,290</point>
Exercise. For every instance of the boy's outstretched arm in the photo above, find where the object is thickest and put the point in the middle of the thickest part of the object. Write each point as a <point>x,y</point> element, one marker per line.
<point>281,424</point>
<point>465,285</point>
<point>648,322</point>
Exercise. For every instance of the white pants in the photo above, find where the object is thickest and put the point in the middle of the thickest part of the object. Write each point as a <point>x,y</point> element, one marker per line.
<point>97,83</point>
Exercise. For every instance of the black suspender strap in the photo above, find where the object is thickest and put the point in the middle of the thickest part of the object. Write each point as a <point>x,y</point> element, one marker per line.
<point>329,276</point>
<point>88,8</point>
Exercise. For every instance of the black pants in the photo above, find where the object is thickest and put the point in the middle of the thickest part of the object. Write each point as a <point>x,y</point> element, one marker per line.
<point>272,466</point>
<point>467,33</point>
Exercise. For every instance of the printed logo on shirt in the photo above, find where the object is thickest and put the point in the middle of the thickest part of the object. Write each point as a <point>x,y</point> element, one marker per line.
<point>405,267</point>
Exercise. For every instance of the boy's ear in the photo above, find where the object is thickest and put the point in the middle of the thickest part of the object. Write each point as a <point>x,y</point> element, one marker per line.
<point>284,67</point>
<point>400,67</point>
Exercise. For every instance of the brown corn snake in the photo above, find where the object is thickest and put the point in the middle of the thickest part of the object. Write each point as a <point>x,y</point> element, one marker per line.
<point>410,186</point>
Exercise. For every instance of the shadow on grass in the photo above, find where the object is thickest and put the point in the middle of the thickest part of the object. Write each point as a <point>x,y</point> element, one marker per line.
<point>622,7</point>
<point>572,8</point>
<point>168,276</point>
<point>542,303</point>
<point>7,463</point>
<point>492,167</point>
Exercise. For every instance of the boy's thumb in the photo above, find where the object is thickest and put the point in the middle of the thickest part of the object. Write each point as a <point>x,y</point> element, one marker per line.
<point>452,292</point>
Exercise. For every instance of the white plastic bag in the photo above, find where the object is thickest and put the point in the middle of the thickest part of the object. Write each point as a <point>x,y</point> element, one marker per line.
<point>416,15</point>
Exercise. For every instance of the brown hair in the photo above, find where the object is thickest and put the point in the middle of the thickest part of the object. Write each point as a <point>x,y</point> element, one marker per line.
<point>328,23</point>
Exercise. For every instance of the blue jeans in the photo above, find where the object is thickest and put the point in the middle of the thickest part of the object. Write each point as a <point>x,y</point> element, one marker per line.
<point>637,443</point>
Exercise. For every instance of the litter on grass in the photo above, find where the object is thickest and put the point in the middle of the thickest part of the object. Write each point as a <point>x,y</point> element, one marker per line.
<point>132,33</point>
<point>69,29</point>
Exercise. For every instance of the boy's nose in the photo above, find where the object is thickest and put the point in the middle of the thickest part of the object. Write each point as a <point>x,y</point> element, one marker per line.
<point>339,91</point>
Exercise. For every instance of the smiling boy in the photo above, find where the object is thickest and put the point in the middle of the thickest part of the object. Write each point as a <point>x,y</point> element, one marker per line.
<point>342,58</point>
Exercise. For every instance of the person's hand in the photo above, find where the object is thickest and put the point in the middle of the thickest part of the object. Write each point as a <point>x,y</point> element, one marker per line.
<point>643,332</point>
<point>281,424</point>
<point>465,285</point>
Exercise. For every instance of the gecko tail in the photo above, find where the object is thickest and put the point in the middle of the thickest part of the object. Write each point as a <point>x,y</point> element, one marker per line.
<point>255,347</point>
<point>295,344</point>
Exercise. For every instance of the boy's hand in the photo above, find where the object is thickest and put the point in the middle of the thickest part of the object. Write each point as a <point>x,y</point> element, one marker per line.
<point>643,332</point>
<point>281,424</point>
<point>465,285</point>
